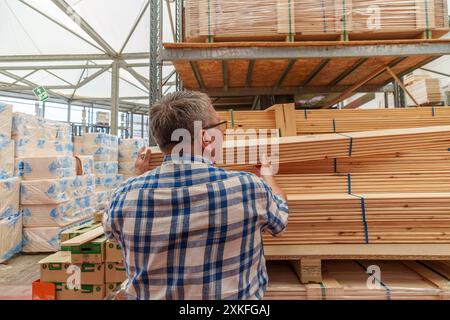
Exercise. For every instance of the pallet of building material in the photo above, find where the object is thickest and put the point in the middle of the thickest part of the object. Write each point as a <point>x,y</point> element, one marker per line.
<point>351,280</point>
<point>425,92</point>
<point>45,239</point>
<point>388,218</point>
<point>364,182</point>
<point>279,20</point>
<point>357,114</point>
<point>327,121</point>
<point>307,260</point>
<point>419,161</point>
<point>329,146</point>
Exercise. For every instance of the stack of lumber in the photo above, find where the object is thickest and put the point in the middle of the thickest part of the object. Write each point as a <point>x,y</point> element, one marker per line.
<point>348,280</point>
<point>238,20</point>
<point>54,193</point>
<point>433,160</point>
<point>100,262</point>
<point>336,121</point>
<point>340,121</point>
<point>326,218</point>
<point>364,182</point>
<point>104,149</point>
<point>128,153</point>
<point>426,92</point>
<point>330,146</point>
<point>249,119</point>
<point>10,217</point>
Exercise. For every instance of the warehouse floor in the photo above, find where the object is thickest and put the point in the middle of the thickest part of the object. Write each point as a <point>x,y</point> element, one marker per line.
<point>17,275</point>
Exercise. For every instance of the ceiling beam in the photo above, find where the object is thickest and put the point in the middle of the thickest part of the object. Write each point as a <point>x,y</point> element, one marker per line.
<point>73,57</point>
<point>71,13</point>
<point>438,48</point>
<point>245,92</point>
<point>61,25</point>
<point>142,80</point>
<point>54,67</point>
<point>134,27</point>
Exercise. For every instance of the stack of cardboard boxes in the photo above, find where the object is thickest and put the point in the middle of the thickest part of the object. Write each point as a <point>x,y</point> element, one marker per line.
<point>97,262</point>
<point>105,150</point>
<point>128,153</point>
<point>10,218</point>
<point>52,196</point>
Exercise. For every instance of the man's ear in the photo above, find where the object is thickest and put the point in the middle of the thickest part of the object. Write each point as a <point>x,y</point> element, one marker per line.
<point>205,138</point>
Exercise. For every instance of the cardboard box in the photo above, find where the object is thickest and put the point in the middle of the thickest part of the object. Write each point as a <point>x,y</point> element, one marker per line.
<point>113,252</point>
<point>115,272</point>
<point>74,232</point>
<point>55,268</point>
<point>43,291</point>
<point>110,287</point>
<point>87,292</point>
<point>91,252</point>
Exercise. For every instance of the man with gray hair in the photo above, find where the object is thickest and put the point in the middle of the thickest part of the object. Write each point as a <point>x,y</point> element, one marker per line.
<point>188,229</point>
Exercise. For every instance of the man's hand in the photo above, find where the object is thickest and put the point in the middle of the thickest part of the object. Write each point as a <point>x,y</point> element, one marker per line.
<point>265,168</point>
<point>142,164</point>
<point>265,171</point>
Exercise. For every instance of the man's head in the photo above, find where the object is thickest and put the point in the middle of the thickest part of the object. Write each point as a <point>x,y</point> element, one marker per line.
<point>180,110</point>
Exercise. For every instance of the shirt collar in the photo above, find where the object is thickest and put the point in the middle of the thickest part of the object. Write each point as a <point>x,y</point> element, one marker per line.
<point>187,159</point>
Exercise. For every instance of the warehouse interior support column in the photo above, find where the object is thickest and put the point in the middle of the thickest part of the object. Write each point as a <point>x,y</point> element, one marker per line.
<point>155,70</point>
<point>115,97</point>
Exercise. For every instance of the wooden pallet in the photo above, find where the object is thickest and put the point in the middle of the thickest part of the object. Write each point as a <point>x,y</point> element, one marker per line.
<point>336,37</point>
<point>301,20</point>
<point>306,260</point>
<point>354,279</point>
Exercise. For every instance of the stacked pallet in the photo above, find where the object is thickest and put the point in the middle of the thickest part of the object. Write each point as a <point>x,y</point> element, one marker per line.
<point>104,149</point>
<point>327,218</point>
<point>309,20</point>
<point>100,264</point>
<point>128,153</point>
<point>10,217</point>
<point>53,197</point>
<point>350,279</point>
<point>291,150</point>
<point>432,160</point>
<point>425,91</point>
<point>341,121</point>
<point>358,183</point>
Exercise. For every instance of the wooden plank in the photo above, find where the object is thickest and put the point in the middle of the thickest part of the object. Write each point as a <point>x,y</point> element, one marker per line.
<point>400,83</point>
<point>308,270</point>
<point>353,88</point>
<point>84,238</point>
<point>359,251</point>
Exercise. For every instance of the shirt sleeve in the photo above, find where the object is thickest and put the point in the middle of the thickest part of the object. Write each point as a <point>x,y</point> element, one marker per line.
<point>110,217</point>
<point>277,212</point>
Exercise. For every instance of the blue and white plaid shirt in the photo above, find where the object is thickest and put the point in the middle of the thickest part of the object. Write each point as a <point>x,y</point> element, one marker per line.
<point>190,230</point>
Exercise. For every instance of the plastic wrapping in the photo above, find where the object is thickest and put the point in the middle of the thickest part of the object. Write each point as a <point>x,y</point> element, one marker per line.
<point>10,236</point>
<point>85,165</point>
<point>35,168</point>
<point>5,120</point>
<point>107,182</point>
<point>127,169</point>
<point>27,126</point>
<point>55,191</point>
<point>59,215</point>
<point>129,149</point>
<point>289,19</point>
<point>42,147</point>
<point>9,197</point>
<point>45,239</point>
<point>106,167</point>
<point>6,157</point>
